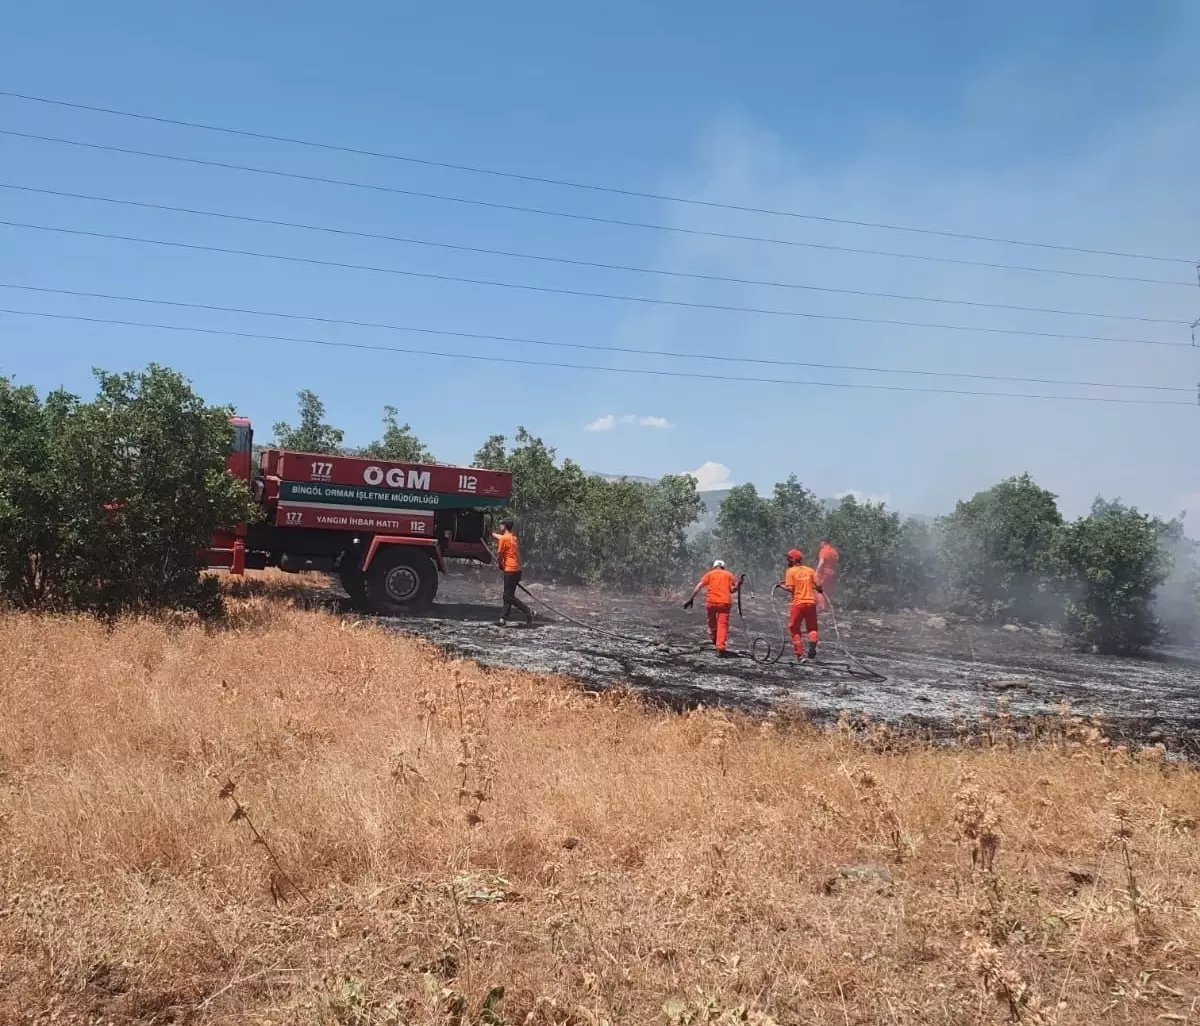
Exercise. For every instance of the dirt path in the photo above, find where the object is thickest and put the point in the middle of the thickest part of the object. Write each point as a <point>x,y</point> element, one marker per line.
<point>939,672</point>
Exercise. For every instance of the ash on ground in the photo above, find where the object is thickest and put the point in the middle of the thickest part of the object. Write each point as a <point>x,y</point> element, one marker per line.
<point>943,673</point>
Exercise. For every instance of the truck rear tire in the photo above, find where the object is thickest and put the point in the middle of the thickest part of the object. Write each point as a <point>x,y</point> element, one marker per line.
<point>401,580</point>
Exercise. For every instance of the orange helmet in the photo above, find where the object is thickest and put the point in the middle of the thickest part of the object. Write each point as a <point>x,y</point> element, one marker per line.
<point>795,555</point>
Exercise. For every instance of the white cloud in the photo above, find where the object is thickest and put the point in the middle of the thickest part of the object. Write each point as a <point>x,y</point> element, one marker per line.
<point>711,477</point>
<point>611,420</point>
<point>655,422</point>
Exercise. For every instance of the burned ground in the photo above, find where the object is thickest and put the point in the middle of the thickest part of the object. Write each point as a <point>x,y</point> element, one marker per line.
<point>942,674</point>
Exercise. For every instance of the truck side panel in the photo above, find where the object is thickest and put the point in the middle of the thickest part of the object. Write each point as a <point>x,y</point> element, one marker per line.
<point>384,475</point>
<point>342,518</point>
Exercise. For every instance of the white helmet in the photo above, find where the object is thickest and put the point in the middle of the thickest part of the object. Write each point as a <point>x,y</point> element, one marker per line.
<point>718,563</point>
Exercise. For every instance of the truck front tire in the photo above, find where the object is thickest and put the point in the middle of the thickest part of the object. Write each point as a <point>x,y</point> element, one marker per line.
<point>402,580</point>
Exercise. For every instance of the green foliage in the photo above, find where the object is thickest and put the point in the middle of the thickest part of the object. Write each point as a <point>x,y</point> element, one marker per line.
<point>312,434</point>
<point>105,505</point>
<point>547,501</point>
<point>577,527</point>
<point>398,443</point>
<point>754,533</point>
<point>746,532</point>
<point>797,517</point>
<point>885,562</point>
<point>994,548</point>
<point>1108,566</point>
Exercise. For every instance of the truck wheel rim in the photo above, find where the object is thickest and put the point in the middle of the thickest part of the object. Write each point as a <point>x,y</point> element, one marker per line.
<point>402,584</point>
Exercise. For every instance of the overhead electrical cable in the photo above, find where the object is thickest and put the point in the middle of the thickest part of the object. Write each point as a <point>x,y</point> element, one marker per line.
<point>577,216</point>
<point>587,186</point>
<point>573,262</point>
<point>583,293</point>
<point>483,358</point>
<point>623,350</point>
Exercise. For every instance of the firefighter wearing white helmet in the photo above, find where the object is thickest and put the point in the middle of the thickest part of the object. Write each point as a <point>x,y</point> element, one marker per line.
<point>720,586</point>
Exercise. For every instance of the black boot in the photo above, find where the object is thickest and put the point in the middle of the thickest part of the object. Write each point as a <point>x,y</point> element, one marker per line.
<point>812,650</point>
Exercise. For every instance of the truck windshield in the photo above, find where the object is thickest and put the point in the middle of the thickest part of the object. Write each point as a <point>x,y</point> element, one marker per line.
<point>243,439</point>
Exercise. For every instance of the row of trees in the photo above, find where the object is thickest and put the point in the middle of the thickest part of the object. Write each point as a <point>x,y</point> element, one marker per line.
<point>1117,579</point>
<point>104,504</point>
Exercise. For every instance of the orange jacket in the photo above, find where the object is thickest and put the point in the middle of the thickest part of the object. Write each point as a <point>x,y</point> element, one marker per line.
<point>827,560</point>
<point>801,581</point>
<point>721,585</point>
<point>508,552</point>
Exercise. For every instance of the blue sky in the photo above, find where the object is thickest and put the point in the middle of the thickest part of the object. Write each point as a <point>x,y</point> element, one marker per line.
<point>1073,124</point>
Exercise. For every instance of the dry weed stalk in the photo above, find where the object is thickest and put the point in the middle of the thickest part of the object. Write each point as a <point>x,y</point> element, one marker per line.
<point>880,803</point>
<point>977,816</point>
<point>242,814</point>
<point>475,759</point>
<point>1005,984</point>
<point>1123,834</point>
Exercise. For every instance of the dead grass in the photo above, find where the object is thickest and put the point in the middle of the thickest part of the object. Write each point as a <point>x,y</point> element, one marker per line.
<point>449,845</point>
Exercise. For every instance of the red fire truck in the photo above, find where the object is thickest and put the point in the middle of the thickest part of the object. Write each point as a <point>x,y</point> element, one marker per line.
<point>386,529</point>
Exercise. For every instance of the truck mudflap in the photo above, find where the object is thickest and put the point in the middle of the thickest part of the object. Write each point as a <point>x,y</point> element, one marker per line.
<point>381,540</point>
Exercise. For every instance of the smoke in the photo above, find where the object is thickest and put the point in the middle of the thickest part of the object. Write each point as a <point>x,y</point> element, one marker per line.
<point>1024,153</point>
<point>1177,603</point>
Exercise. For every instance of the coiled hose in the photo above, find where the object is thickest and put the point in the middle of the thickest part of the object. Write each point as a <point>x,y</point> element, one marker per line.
<point>764,651</point>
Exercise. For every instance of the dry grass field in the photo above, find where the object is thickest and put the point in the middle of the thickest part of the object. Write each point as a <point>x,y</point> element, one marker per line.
<point>298,819</point>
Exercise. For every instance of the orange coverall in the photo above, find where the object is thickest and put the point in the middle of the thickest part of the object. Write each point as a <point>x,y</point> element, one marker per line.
<point>718,603</point>
<point>827,567</point>
<point>801,581</point>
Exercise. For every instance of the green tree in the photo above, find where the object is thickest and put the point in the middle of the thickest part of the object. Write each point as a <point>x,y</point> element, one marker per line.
<point>994,548</point>
<point>1108,566</point>
<point>747,532</point>
<point>797,514</point>
<point>547,501</point>
<point>312,434</point>
<point>916,557</point>
<point>634,533</point>
<point>398,443</point>
<point>29,511</point>
<point>132,487</point>
<point>872,569</point>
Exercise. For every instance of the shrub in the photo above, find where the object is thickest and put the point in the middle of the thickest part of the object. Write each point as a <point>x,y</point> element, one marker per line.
<point>993,551</point>
<point>1108,567</point>
<point>104,506</point>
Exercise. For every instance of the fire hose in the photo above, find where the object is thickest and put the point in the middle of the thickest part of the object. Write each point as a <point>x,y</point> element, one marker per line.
<point>763,651</point>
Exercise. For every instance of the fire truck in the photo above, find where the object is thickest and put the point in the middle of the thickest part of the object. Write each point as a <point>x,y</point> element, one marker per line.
<point>385,529</point>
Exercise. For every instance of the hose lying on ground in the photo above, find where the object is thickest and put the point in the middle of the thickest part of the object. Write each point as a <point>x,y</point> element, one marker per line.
<point>631,638</point>
<point>763,651</point>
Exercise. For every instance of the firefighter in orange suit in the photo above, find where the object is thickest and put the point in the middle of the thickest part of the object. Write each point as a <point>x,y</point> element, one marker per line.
<point>721,586</point>
<point>508,560</point>
<point>827,568</point>
<point>801,583</point>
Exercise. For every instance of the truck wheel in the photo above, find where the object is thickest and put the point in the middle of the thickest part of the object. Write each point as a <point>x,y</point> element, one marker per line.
<point>354,583</point>
<point>401,581</point>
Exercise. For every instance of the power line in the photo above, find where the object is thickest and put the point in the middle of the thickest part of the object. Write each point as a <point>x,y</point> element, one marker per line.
<point>555,290</point>
<point>516,339</point>
<point>598,265</point>
<point>587,367</point>
<point>586,186</point>
<point>576,216</point>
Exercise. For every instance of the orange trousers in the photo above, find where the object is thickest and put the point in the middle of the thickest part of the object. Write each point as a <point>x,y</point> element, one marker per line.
<point>828,583</point>
<point>803,616</point>
<point>718,625</point>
